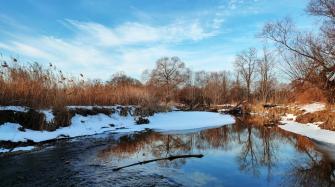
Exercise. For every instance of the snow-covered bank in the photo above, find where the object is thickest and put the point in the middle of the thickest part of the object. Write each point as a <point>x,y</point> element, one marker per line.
<point>89,125</point>
<point>313,107</point>
<point>17,149</point>
<point>15,108</point>
<point>310,130</point>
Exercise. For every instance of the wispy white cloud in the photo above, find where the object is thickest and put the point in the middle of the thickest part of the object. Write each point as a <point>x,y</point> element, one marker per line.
<point>137,33</point>
<point>98,50</point>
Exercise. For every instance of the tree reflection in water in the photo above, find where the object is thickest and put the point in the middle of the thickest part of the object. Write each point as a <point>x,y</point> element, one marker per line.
<point>259,151</point>
<point>318,169</point>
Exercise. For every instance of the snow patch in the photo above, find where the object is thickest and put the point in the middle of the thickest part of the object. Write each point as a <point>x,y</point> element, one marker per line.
<point>314,107</point>
<point>289,117</point>
<point>49,117</point>
<point>3,150</point>
<point>310,130</point>
<point>26,148</point>
<point>15,108</point>
<point>16,149</point>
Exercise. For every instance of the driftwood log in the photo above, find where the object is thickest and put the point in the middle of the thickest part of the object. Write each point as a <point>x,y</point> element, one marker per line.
<point>267,105</point>
<point>170,158</point>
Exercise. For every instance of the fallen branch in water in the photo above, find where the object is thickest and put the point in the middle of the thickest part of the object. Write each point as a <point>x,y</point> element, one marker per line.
<point>170,158</point>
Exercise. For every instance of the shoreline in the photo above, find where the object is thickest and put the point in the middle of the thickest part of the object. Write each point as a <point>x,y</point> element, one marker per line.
<point>93,120</point>
<point>12,135</point>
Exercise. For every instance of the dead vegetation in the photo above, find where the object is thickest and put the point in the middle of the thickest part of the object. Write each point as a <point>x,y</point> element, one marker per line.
<point>270,116</point>
<point>97,110</point>
<point>30,119</point>
<point>36,86</point>
<point>266,116</point>
<point>326,119</point>
<point>62,117</point>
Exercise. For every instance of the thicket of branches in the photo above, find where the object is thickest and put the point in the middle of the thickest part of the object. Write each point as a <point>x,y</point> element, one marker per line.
<point>309,57</point>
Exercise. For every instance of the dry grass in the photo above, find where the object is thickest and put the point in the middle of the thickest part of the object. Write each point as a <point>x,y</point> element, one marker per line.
<point>271,116</point>
<point>306,93</point>
<point>327,117</point>
<point>38,87</point>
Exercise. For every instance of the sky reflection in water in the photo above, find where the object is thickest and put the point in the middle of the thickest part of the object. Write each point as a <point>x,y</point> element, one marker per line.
<point>234,155</point>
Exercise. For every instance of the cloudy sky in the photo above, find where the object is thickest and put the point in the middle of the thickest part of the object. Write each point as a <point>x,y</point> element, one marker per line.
<point>98,38</point>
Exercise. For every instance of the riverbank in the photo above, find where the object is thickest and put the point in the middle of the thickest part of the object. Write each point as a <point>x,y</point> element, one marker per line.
<point>24,129</point>
<point>90,120</point>
<point>314,120</point>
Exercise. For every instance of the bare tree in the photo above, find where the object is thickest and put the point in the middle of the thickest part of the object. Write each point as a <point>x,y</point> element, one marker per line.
<point>322,8</point>
<point>169,73</point>
<point>237,92</point>
<point>200,79</point>
<point>309,57</point>
<point>264,69</point>
<point>245,64</point>
<point>217,86</point>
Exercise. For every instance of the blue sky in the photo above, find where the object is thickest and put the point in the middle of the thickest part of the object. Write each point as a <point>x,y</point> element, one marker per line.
<point>99,38</point>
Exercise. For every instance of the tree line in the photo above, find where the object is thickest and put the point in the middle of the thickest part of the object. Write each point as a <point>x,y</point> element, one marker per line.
<point>253,80</point>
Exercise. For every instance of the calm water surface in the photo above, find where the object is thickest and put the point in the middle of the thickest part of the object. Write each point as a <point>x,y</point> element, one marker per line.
<point>234,155</point>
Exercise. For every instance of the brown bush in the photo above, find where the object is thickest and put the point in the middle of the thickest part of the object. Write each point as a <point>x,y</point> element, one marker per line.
<point>327,117</point>
<point>62,117</point>
<point>305,92</point>
<point>31,119</point>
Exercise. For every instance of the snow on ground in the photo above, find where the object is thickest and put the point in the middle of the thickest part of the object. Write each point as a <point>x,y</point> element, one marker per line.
<point>26,148</point>
<point>310,130</point>
<point>16,149</point>
<point>49,117</point>
<point>100,123</point>
<point>15,108</point>
<point>314,107</point>
<point>3,150</point>
<point>90,107</point>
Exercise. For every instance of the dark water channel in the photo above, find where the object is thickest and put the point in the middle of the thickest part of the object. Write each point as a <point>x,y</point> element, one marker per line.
<point>234,155</point>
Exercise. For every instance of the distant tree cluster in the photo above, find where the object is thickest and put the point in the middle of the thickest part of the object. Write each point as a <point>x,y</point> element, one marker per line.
<point>253,80</point>
<point>121,79</point>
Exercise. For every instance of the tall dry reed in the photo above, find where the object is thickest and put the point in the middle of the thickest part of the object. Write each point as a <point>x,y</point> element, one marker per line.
<point>37,86</point>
